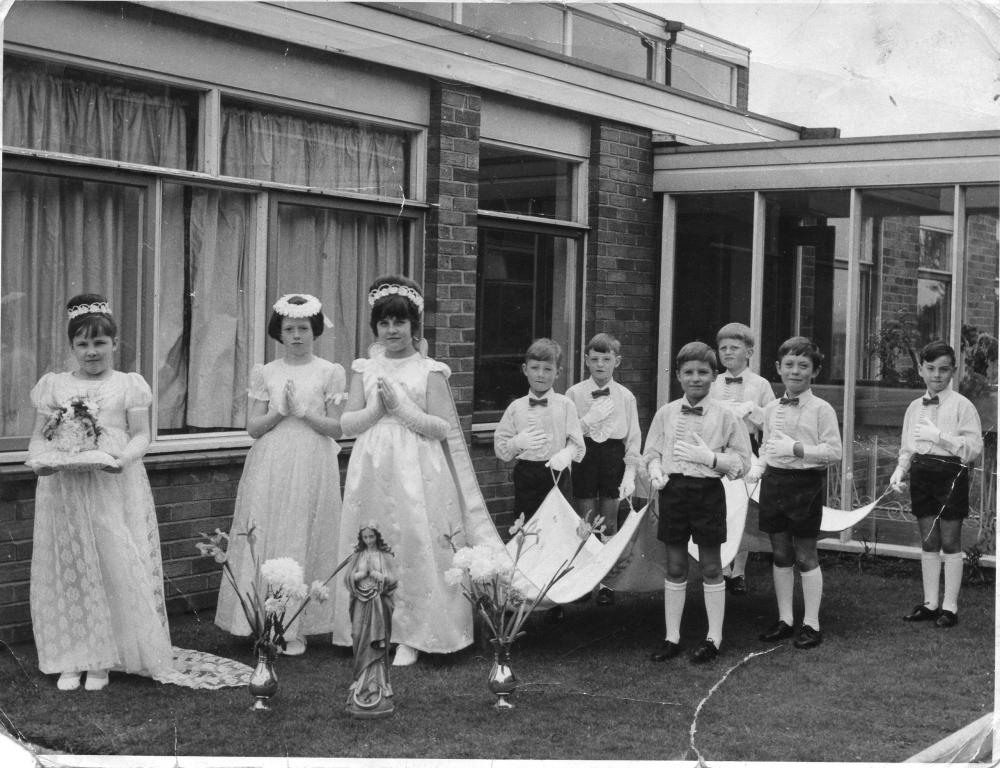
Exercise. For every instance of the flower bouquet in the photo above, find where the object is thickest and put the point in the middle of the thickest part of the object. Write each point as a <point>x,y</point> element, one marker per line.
<point>487,578</point>
<point>74,439</point>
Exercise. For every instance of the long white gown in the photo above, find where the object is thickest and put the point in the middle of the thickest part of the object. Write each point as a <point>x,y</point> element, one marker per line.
<point>417,490</point>
<point>290,489</point>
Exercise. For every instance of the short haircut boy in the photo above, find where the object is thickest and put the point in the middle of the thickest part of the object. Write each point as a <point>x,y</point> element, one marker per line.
<point>801,345</point>
<point>545,350</point>
<point>604,342</point>
<point>737,331</point>
<point>697,351</point>
<point>936,349</point>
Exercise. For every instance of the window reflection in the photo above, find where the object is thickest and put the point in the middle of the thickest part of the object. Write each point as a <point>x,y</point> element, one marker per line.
<point>513,181</point>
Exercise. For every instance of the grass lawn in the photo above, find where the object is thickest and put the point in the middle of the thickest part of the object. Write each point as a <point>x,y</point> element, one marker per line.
<point>876,690</point>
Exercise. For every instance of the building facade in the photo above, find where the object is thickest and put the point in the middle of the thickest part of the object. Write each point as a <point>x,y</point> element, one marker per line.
<point>548,172</point>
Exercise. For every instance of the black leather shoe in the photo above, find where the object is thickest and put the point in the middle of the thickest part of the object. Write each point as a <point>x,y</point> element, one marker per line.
<point>780,631</point>
<point>737,585</point>
<point>668,650</point>
<point>808,637</point>
<point>946,619</point>
<point>921,613</point>
<point>704,652</point>
<point>605,596</point>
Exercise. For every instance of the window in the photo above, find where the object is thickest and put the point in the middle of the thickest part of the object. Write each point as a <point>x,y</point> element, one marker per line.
<point>513,181</point>
<point>534,23</point>
<point>610,46</point>
<point>701,75</point>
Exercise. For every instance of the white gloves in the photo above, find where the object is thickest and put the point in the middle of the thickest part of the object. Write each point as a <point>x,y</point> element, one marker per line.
<point>779,445</point>
<point>656,477</point>
<point>531,439</point>
<point>898,480</point>
<point>598,412</point>
<point>561,459</point>
<point>927,431</point>
<point>627,487</point>
<point>754,474</point>
<point>353,423</point>
<point>742,410</point>
<point>698,452</point>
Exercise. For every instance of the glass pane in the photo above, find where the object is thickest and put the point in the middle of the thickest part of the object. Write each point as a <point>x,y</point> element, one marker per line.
<point>259,143</point>
<point>701,76</point>
<point>440,10</point>
<point>59,109</point>
<point>713,264</point>
<point>511,181</point>
<point>540,25</point>
<point>61,237</point>
<point>611,47</point>
<point>979,356</point>
<point>804,242</point>
<point>908,232</point>
<point>521,285</point>
<point>335,255</point>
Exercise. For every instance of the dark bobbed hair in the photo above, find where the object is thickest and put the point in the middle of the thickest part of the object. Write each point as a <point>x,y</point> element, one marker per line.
<point>274,324</point>
<point>697,351</point>
<point>90,324</point>
<point>938,348</point>
<point>395,305</point>
<point>801,345</point>
<point>380,543</point>
<point>603,343</point>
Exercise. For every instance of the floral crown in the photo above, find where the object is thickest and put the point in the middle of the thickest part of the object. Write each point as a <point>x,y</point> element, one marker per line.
<point>97,308</point>
<point>393,289</point>
<point>373,524</point>
<point>310,307</point>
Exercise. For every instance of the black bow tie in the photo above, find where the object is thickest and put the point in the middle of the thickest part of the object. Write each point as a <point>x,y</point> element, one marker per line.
<point>532,402</point>
<point>696,410</point>
<point>601,393</point>
<point>789,401</point>
<point>734,379</point>
<point>932,400</point>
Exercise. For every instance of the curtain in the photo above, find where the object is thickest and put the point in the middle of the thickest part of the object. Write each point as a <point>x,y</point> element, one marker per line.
<point>349,157</point>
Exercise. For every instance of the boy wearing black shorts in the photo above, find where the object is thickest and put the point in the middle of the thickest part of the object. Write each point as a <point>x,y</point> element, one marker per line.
<point>801,439</point>
<point>942,436</point>
<point>692,443</point>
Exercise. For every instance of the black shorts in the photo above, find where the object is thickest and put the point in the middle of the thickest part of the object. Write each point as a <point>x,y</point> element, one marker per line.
<point>600,471</point>
<point>532,483</point>
<point>791,500</point>
<point>692,508</point>
<point>939,485</point>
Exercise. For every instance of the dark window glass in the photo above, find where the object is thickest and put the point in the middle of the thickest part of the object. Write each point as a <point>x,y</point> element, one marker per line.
<point>518,182</point>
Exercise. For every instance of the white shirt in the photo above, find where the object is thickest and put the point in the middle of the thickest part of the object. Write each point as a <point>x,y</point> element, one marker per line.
<point>621,424</point>
<point>955,416</point>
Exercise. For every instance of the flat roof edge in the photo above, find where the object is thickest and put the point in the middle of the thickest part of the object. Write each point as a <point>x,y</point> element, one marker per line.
<point>891,138</point>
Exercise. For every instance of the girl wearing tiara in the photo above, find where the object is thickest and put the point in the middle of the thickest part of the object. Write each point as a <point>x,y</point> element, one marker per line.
<point>290,488</point>
<point>410,469</point>
<point>96,576</point>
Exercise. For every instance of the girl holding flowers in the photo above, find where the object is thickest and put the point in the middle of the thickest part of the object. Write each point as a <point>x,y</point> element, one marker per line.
<point>290,489</point>
<point>97,599</point>
<point>410,469</point>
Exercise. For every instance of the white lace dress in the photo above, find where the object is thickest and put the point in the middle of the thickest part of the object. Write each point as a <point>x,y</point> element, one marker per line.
<point>290,489</point>
<point>96,575</point>
<point>402,480</point>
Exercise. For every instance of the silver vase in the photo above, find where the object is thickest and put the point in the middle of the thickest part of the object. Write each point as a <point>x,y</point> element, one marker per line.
<point>502,681</point>
<point>263,681</point>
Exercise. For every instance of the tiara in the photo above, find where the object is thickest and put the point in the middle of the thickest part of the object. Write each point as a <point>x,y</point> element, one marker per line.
<point>308,308</point>
<point>392,289</point>
<point>373,524</point>
<point>97,308</point>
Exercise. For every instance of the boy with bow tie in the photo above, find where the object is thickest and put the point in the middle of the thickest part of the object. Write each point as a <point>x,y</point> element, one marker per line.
<point>610,421</point>
<point>692,443</point>
<point>942,436</point>
<point>540,430</point>
<point>745,394</point>
<point>801,439</point>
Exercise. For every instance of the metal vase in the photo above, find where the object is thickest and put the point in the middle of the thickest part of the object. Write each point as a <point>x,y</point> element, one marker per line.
<point>263,681</point>
<point>502,681</point>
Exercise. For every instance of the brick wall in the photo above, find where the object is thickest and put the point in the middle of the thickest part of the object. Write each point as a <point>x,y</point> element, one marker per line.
<point>623,254</point>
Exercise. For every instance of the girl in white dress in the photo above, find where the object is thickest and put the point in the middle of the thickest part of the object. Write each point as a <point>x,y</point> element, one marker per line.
<point>403,472</point>
<point>290,488</point>
<point>97,599</point>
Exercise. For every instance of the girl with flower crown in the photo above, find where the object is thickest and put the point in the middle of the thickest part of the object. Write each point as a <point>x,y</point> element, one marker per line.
<point>97,599</point>
<point>290,488</point>
<point>409,468</point>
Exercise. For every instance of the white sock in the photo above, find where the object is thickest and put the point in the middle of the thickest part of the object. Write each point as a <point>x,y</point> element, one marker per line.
<point>739,567</point>
<point>715,608</point>
<point>784,586</point>
<point>674,595</point>
<point>930,569</point>
<point>812,594</point>
<point>953,565</point>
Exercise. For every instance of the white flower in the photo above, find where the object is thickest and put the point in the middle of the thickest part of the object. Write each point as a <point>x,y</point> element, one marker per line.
<point>275,606</point>
<point>454,576</point>
<point>482,570</point>
<point>319,591</point>
<point>284,575</point>
<point>462,558</point>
